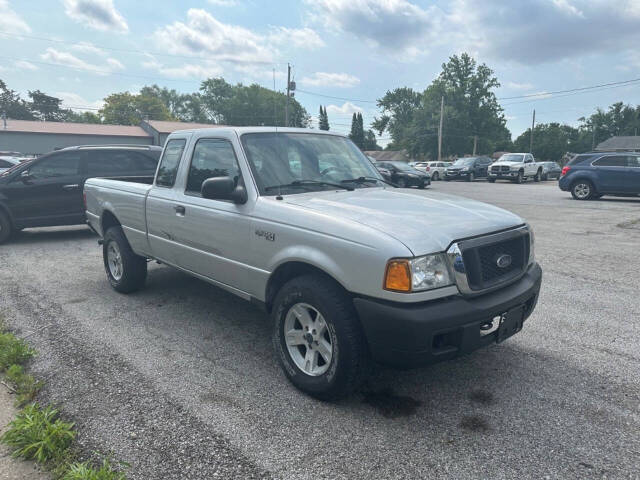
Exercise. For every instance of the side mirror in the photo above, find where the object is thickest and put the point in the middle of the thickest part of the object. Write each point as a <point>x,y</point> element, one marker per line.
<point>223,188</point>
<point>25,175</point>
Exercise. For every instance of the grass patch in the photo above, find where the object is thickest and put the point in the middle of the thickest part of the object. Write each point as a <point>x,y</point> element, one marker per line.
<point>13,351</point>
<point>84,471</point>
<point>25,386</point>
<point>38,434</point>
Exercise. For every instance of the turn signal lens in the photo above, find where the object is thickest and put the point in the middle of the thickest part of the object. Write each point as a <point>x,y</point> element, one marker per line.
<point>398,276</point>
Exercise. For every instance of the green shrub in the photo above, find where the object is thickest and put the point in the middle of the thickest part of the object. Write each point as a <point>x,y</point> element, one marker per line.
<point>38,434</point>
<point>13,351</point>
<point>83,471</point>
<point>25,385</point>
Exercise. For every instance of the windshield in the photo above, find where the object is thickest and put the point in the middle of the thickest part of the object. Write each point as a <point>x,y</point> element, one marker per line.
<point>13,168</point>
<point>511,157</point>
<point>282,159</point>
<point>463,162</point>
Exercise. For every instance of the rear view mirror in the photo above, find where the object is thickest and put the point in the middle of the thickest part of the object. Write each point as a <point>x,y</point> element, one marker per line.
<point>223,188</point>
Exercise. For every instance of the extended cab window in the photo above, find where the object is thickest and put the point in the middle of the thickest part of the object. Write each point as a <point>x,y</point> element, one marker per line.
<point>170,161</point>
<point>634,162</point>
<point>611,161</point>
<point>60,165</point>
<point>211,158</point>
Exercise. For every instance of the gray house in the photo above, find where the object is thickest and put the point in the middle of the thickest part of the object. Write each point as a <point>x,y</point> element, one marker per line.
<point>620,144</point>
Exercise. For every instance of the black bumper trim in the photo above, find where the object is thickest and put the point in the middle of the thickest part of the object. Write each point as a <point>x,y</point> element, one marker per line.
<point>408,335</point>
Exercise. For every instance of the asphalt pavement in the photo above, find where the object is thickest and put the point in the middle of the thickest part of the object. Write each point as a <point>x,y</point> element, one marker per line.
<point>180,379</point>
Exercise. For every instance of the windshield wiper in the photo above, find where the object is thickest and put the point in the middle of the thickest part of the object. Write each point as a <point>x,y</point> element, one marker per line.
<point>367,179</point>
<point>306,183</point>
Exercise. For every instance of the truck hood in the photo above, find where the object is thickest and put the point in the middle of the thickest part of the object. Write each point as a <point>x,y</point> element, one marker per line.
<point>509,164</point>
<point>425,222</point>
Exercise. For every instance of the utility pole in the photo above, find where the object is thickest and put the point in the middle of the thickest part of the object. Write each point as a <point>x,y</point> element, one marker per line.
<point>533,124</point>
<point>475,144</point>
<point>286,107</point>
<point>440,129</point>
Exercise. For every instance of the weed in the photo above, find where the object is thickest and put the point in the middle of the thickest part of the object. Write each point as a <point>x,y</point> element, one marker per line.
<point>38,434</point>
<point>13,351</point>
<point>25,385</point>
<point>84,471</point>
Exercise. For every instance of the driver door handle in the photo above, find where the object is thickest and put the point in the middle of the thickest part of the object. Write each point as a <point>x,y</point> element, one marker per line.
<point>70,187</point>
<point>180,210</point>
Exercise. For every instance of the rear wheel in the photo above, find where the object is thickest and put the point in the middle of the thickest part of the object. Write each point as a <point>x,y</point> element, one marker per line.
<point>582,190</point>
<point>5,227</point>
<point>436,176</point>
<point>126,271</point>
<point>318,339</point>
<point>538,176</point>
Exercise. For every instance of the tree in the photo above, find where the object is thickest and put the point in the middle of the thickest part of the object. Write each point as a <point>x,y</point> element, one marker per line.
<point>46,107</point>
<point>248,105</point>
<point>323,119</point>
<point>550,141</point>
<point>127,109</point>
<point>357,130</point>
<point>370,142</point>
<point>471,109</point>
<point>12,105</point>
<point>186,107</point>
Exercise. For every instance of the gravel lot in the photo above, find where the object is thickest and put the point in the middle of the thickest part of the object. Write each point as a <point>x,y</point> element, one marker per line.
<point>180,379</point>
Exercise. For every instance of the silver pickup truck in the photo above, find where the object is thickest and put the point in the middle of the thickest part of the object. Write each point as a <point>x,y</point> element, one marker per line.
<point>351,269</point>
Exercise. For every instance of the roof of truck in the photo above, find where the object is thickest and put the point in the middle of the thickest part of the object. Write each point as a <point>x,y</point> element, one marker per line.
<point>241,130</point>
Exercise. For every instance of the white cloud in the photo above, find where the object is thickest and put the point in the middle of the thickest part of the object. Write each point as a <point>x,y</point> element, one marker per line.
<point>537,32</point>
<point>97,14</point>
<point>306,38</point>
<point>392,25</point>
<point>24,65</point>
<point>202,34</point>
<point>70,99</point>
<point>69,60</point>
<point>187,70</point>
<point>324,79</point>
<point>223,3</point>
<point>518,86</point>
<point>347,108</point>
<point>86,47</point>
<point>10,21</point>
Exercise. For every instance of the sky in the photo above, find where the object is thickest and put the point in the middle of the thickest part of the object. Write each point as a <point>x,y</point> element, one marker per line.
<point>345,54</point>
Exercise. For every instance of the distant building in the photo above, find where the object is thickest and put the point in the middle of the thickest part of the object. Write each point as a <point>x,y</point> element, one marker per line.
<point>620,144</point>
<point>389,155</point>
<point>35,137</point>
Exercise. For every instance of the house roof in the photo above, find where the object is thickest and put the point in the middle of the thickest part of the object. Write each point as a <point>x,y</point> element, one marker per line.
<point>68,128</point>
<point>620,143</point>
<point>388,155</point>
<point>169,127</point>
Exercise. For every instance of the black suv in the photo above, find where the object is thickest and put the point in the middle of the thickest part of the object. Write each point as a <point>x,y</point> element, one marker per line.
<point>468,168</point>
<point>47,191</point>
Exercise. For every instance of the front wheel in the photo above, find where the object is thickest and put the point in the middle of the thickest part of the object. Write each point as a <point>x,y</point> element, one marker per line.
<point>519,178</point>
<point>318,339</point>
<point>582,190</point>
<point>5,227</point>
<point>126,271</point>
<point>436,176</point>
<point>471,177</point>
<point>402,183</point>
<point>491,180</point>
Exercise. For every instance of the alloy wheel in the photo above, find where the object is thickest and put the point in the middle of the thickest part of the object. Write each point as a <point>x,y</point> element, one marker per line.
<point>308,339</point>
<point>114,260</point>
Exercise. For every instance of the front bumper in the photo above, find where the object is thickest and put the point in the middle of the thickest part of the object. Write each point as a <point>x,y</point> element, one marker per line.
<point>508,175</point>
<point>564,183</point>
<point>410,335</point>
<point>454,175</point>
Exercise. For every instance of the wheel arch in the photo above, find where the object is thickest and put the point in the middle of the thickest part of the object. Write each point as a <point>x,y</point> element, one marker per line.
<point>108,220</point>
<point>5,210</point>
<point>292,269</point>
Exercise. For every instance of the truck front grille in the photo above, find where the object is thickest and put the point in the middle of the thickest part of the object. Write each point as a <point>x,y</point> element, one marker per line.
<point>497,261</point>
<point>500,169</point>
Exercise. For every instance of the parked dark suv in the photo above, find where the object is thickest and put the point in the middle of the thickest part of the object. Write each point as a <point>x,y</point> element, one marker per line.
<point>47,191</point>
<point>468,168</point>
<point>592,175</point>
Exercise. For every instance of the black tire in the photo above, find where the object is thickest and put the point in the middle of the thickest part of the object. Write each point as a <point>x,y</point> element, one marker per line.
<point>471,177</point>
<point>491,180</point>
<point>436,176</point>
<point>402,183</point>
<point>6,229</point>
<point>545,177</point>
<point>446,179</point>
<point>349,364</point>
<point>538,176</point>
<point>583,190</point>
<point>133,267</point>
<point>520,177</point>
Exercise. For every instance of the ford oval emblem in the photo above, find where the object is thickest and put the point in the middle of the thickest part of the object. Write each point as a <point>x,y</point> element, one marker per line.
<point>504,260</point>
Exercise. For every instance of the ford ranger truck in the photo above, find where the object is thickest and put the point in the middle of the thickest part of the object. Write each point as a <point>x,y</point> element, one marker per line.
<point>516,167</point>
<point>350,268</point>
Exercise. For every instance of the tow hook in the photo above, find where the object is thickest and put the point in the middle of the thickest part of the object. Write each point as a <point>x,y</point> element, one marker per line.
<point>486,326</point>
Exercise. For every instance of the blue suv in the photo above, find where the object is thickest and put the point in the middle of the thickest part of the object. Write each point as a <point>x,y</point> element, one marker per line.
<point>592,175</point>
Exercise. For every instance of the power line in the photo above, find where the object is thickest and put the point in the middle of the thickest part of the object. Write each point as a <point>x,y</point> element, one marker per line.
<point>622,83</point>
<point>337,98</point>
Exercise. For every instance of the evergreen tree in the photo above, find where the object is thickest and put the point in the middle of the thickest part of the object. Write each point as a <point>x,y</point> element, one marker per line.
<point>323,119</point>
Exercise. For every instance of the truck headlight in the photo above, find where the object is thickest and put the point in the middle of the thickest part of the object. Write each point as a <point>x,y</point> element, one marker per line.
<point>417,274</point>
